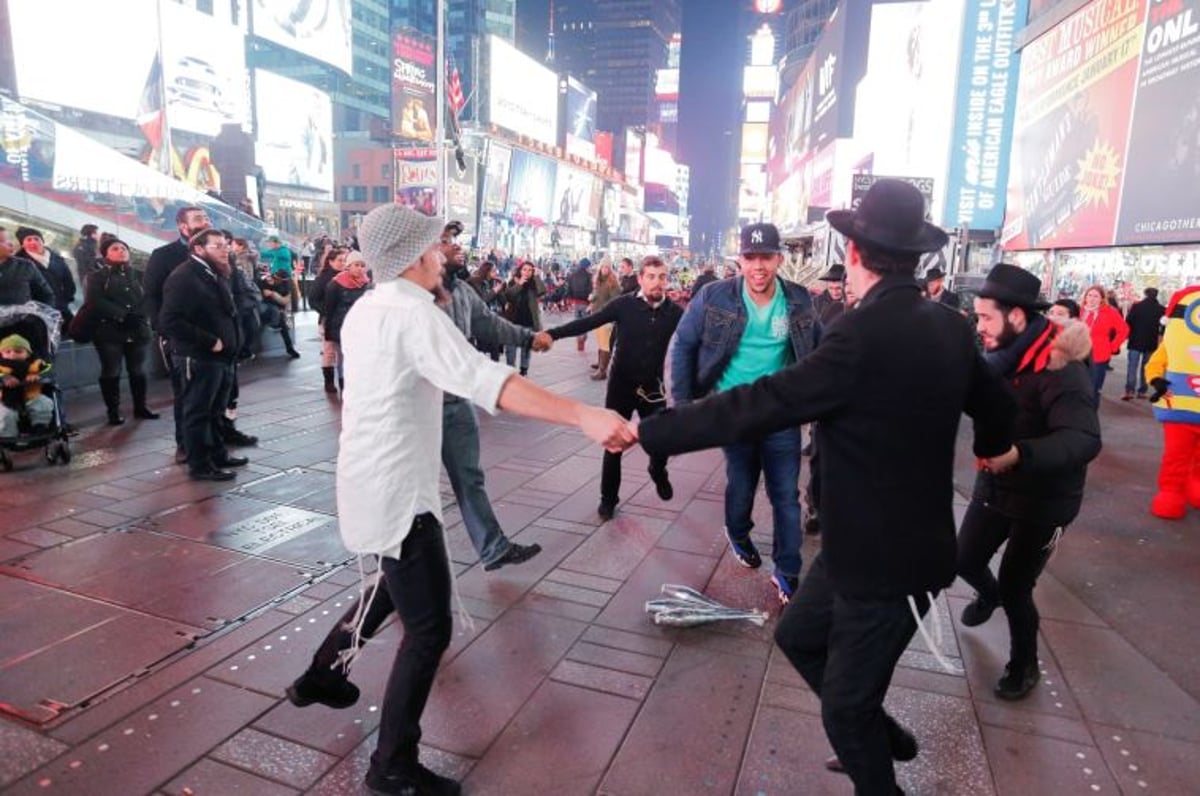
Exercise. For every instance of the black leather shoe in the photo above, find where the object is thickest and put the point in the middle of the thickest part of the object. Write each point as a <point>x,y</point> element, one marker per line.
<point>1017,682</point>
<point>294,354</point>
<point>420,781</point>
<point>212,474</point>
<point>662,484</point>
<point>977,612</point>
<point>902,743</point>
<point>606,509</point>
<point>327,686</point>
<point>143,413</point>
<point>515,554</point>
<point>231,436</point>
<point>115,419</point>
<point>232,461</point>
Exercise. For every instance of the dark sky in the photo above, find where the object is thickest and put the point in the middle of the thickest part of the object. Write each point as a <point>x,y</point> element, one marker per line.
<point>710,79</point>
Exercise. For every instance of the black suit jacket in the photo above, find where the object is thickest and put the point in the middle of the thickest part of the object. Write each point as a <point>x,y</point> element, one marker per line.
<point>162,262</point>
<point>888,383</point>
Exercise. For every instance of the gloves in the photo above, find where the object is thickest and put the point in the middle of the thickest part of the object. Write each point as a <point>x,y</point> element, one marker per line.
<point>1161,388</point>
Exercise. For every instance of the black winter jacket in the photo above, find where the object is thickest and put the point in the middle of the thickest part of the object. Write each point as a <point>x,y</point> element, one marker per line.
<point>1144,328</point>
<point>338,301</point>
<point>320,290</point>
<point>197,310</point>
<point>22,281</point>
<point>115,295</point>
<point>1057,433</point>
<point>59,277</point>
<point>162,262</point>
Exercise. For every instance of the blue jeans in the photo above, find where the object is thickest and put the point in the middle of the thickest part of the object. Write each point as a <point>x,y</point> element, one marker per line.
<point>510,356</point>
<point>1136,372</point>
<point>1099,371</point>
<point>778,456</point>
<point>460,457</point>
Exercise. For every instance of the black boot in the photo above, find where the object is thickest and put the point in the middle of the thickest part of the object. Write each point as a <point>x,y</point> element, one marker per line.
<point>286,334</point>
<point>110,390</point>
<point>328,374</point>
<point>137,386</point>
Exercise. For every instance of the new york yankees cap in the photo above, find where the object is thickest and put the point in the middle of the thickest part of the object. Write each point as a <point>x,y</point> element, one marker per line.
<point>760,239</point>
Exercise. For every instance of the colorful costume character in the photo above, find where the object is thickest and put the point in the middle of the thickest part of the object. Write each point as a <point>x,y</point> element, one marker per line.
<point>20,388</point>
<point>1174,374</point>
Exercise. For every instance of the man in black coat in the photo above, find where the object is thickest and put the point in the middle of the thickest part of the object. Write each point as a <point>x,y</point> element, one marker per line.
<point>199,318</point>
<point>1145,329</point>
<point>20,280</point>
<point>888,383</point>
<point>1030,495</point>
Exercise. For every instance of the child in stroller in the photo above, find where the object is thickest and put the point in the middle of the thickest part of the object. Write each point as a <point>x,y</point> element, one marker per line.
<point>30,415</point>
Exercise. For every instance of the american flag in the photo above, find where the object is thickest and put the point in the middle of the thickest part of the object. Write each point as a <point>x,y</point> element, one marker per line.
<point>152,118</point>
<point>454,92</point>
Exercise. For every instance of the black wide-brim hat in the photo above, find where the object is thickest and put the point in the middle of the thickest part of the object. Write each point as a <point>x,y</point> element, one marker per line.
<point>1013,285</point>
<point>890,216</point>
<point>836,273</point>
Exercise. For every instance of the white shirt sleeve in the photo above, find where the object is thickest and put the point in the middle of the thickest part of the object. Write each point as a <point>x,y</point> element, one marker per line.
<point>445,359</point>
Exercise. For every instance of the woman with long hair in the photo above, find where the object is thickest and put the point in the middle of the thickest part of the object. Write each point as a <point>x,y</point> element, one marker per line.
<point>330,263</point>
<point>114,293</point>
<point>347,287</point>
<point>523,308</point>
<point>1108,330</point>
<point>606,288</point>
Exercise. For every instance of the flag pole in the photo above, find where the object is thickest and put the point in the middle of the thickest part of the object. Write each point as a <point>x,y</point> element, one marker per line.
<point>440,138</point>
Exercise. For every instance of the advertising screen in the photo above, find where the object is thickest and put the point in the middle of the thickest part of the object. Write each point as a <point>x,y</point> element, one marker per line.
<point>317,28</point>
<point>495,181</point>
<point>985,101</point>
<point>754,143</point>
<point>573,198</point>
<point>295,132</point>
<point>531,189</point>
<point>416,180</point>
<point>829,65</point>
<point>523,94</point>
<point>1072,128</point>
<point>414,88</point>
<point>633,157</point>
<point>203,61</point>
<point>461,192</point>
<point>580,120</point>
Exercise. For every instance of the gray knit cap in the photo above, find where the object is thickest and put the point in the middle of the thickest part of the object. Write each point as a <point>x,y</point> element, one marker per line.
<point>393,237</point>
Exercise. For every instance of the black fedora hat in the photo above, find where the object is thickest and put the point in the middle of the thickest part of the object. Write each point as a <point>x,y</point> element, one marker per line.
<point>1013,285</point>
<point>836,273</point>
<point>934,273</point>
<point>890,216</point>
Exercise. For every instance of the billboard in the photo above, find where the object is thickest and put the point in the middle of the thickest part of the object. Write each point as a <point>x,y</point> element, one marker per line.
<point>462,192</point>
<point>985,101</point>
<point>414,88</point>
<point>295,132</point>
<point>319,29</point>
<point>1160,200</point>
<point>580,108</point>
<point>522,94</point>
<point>573,198</point>
<point>633,156</point>
<point>830,74</point>
<point>203,61</point>
<point>754,142</point>
<point>416,174</point>
<point>495,180</point>
<point>1072,128</point>
<point>531,189</point>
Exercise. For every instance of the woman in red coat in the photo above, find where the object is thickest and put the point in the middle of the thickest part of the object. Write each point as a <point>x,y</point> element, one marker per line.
<point>1108,329</point>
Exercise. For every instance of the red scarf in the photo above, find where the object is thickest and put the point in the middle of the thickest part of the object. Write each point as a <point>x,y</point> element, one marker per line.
<point>351,280</point>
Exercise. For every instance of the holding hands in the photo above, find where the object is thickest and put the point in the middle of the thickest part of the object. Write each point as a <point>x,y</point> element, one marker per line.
<point>542,341</point>
<point>608,428</point>
<point>1004,462</point>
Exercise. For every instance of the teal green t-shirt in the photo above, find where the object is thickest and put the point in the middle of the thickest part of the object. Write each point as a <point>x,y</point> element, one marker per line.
<point>765,346</point>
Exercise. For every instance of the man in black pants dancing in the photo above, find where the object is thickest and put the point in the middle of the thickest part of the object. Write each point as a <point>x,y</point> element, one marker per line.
<point>645,321</point>
<point>1035,492</point>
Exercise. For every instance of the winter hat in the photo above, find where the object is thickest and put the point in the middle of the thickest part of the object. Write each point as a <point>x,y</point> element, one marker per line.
<point>28,232</point>
<point>393,237</point>
<point>108,242</point>
<point>355,257</point>
<point>16,341</point>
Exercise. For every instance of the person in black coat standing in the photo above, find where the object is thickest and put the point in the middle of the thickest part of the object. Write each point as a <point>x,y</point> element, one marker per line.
<point>114,293</point>
<point>1145,329</point>
<point>199,317</point>
<point>52,266</point>
<point>1030,495</point>
<point>888,383</point>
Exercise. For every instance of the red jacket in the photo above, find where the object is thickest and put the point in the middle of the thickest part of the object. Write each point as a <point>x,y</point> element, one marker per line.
<point>1108,329</point>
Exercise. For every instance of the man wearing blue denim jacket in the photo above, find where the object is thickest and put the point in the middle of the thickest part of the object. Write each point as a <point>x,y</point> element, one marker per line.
<point>734,332</point>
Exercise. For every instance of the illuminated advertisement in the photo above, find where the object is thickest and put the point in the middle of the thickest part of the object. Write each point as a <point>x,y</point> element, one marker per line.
<point>531,189</point>
<point>295,132</point>
<point>461,192</point>
<point>523,94</point>
<point>317,28</point>
<point>495,180</point>
<point>416,174</point>
<point>580,107</point>
<point>633,157</point>
<point>986,98</point>
<point>759,82</point>
<point>573,198</point>
<point>203,61</point>
<point>829,69</point>
<point>666,84</point>
<point>754,143</point>
<point>1160,200</point>
<point>1072,128</point>
<point>414,88</point>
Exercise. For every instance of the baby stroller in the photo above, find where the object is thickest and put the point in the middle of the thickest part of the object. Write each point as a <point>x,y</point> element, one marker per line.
<point>39,324</point>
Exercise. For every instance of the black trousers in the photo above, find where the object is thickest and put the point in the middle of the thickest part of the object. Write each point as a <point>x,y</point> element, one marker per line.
<point>206,386</point>
<point>622,397</point>
<point>1029,548</point>
<point>168,358</point>
<point>418,584</point>
<point>846,649</point>
<point>111,354</point>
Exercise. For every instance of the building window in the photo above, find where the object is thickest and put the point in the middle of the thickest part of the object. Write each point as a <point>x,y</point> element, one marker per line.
<point>385,171</point>
<point>354,193</point>
<point>381,193</point>
<point>357,171</point>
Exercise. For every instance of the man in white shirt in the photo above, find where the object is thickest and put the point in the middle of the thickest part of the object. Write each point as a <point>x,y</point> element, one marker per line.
<point>401,352</point>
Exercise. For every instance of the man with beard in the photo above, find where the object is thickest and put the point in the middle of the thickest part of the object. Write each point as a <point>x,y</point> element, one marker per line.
<point>1029,495</point>
<point>831,302</point>
<point>735,332</point>
<point>199,318</point>
<point>644,322</point>
<point>163,261</point>
<point>935,286</point>
<point>629,280</point>
<point>888,383</point>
